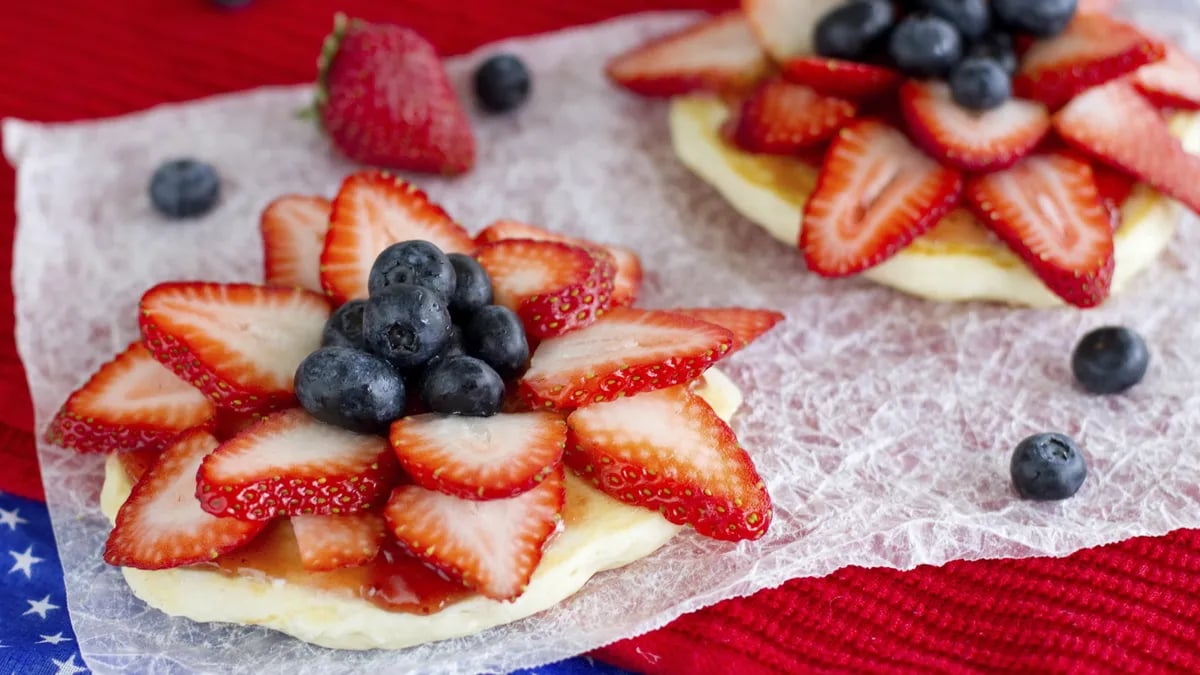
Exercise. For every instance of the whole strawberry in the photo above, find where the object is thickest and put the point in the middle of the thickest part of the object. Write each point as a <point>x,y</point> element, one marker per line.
<point>385,100</point>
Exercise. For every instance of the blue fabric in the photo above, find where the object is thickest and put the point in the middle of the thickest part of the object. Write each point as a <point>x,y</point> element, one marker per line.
<point>36,637</point>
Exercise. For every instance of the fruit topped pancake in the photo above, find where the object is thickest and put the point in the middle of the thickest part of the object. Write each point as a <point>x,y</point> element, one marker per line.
<point>1016,151</point>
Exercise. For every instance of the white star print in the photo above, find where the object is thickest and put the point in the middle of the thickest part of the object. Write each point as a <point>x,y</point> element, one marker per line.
<point>40,607</point>
<point>11,518</point>
<point>24,562</point>
<point>67,667</point>
<point>52,639</point>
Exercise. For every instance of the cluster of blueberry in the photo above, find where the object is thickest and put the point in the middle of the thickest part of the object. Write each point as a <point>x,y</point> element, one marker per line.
<point>969,42</point>
<point>429,325</point>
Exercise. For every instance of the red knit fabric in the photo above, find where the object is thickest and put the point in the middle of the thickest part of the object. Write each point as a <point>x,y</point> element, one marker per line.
<point>1131,607</point>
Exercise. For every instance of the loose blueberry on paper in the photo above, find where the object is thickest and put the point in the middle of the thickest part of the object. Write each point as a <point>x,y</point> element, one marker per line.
<point>429,321</point>
<point>502,83</point>
<point>1110,360</point>
<point>1047,467</point>
<point>184,188</point>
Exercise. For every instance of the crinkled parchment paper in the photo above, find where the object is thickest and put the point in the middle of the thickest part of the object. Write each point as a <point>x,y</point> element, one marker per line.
<point>882,424</point>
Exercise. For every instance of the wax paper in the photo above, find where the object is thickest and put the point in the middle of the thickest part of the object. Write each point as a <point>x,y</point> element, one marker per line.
<point>883,424</point>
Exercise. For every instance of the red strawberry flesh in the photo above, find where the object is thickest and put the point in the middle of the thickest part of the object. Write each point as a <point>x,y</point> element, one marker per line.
<point>746,325</point>
<point>293,231</point>
<point>1173,82</point>
<point>626,352</point>
<point>373,210</point>
<point>290,465</point>
<point>333,542</point>
<point>131,403</point>
<point>238,343</point>
<point>161,525</point>
<point>667,450</point>
<point>479,457</point>
<point>969,140</point>
<point>1048,210</point>
<point>491,546</point>
<point>717,54</point>
<point>875,194</point>
<point>844,79</point>
<point>1116,126</point>
<point>783,118</point>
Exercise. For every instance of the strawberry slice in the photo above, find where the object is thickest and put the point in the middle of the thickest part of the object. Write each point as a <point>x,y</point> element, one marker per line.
<point>668,451</point>
<point>293,232</point>
<point>782,118</point>
<point>1048,210</point>
<point>292,465</point>
<point>844,79</point>
<point>332,542</point>
<point>373,210</point>
<point>967,140</point>
<point>161,525</point>
<point>554,287</point>
<point>1094,49</point>
<point>491,546</point>
<point>718,54</point>
<point>1101,6</point>
<point>746,325</point>
<point>629,267</point>
<point>1173,82</point>
<point>480,457</point>
<point>874,195</point>
<point>785,27</point>
<point>1118,127</point>
<point>132,402</point>
<point>626,352</point>
<point>400,582</point>
<point>238,343</point>
<point>137,462</point>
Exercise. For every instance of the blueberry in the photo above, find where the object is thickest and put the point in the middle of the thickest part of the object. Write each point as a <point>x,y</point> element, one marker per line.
<point>184,188</point>
<point>407,325</point>
<point>453,347</point>
<point>997,47</point>
<point>850,30</point>
<point>1047,466</point>
<point>1110,360</point>
<point>350,389</point>
<point>980,84</point>
<point>495,335</point>
<point>502,83</point>
<point>1041,18</point>
<point>415,262</point>
<point>473,287</point>
<point>924,45</point>
<point>970,17</point>
<point>345,327</point>
<point>463,385</point>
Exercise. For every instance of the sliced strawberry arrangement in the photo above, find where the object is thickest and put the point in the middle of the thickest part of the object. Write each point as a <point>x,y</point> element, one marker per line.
<point>968,140</point>
<point>1094,49</point>
<point>238,343</point>
<point>137,462</point>
<point>490,546</point>
<point>628,280</point>
<point>717,54</point>
<point>1048,210</point>
<point>1173,82</point>
<point>1116,126</point>
<point>785,27</point>
<point>746,325</point>
<point>554,287</point>
<point>668,451</point>
<point>293,231</point>
<point>161,525</point>
<point>783,118</point>
<point>874,195</point>
<point>332,542</point>
<point>291,465</point>
<point>372,210</point>
<point>480,457</point>
<point>844,79</point>
<point>131,403</point>
<point>399,581</point>
<point>626,352</point>
<point>1114,188</point>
